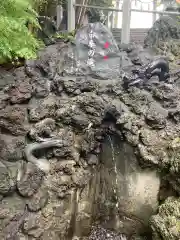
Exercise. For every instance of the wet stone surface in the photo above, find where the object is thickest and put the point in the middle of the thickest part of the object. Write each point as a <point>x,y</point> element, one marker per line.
<point>80,190</point>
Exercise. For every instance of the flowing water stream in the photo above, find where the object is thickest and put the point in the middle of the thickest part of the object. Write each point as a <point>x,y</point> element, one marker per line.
<point>129,194</point>
<point>115,187</point>
<point>119,199</point>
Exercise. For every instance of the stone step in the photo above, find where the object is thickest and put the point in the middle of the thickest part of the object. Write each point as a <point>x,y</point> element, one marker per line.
<point>136,35</point>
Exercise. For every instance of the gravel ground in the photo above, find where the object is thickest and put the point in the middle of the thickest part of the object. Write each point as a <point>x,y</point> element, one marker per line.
<point>99,233</point>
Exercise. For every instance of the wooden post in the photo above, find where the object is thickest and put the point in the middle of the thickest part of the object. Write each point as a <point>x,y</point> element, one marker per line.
<point>154,9</point>
<point>126,20</point>
<point>117,13</point>
<point>113,18</point>
<point>107,20</point>
<point>59,14</point>
<point>83,13</point>
<point>71,15</point>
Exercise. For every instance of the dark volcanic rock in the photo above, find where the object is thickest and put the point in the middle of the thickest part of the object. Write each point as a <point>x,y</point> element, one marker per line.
<point>13,119</point>
<point>166,223</point>
<point>139,55</point>
<point>11,147</point>
<point>42,108</point>
<point>40,87</point>
<point>4,99</point>
<point>164,28</point>
<point>38,201</point>
<point>48,64</point>
<point>11,210</point>
<point>83,187</point>
<point>5,178</point>
<point>6,78</point>
<point>30,181</point>
<point>73,86</point>
<point>164,38</point>
<point>19,93</point>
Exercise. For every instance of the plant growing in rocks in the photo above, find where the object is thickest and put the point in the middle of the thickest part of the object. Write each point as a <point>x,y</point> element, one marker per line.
<point>84,184</point>
<point>78,191</point>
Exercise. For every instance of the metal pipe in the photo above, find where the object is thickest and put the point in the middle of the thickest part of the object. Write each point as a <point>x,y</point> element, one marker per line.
<point>158,12</point>
<point>120,10</point>
<point>98,7</point>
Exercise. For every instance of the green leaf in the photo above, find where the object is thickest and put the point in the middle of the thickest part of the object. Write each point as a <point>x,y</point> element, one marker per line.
<point>16,41</point>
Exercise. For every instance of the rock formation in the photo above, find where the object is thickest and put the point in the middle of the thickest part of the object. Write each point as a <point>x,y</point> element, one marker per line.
<point>164,37</point>
<point>164,28</point>
<point>115,158</point>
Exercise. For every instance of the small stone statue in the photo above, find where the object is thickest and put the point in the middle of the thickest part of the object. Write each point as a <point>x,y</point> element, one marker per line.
<point>158,67</point>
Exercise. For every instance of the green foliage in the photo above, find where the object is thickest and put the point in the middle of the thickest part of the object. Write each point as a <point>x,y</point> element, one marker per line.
<point>16,41</point>
<point>66,36</point>
<point>46,7</point>
<point>39,5</point>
